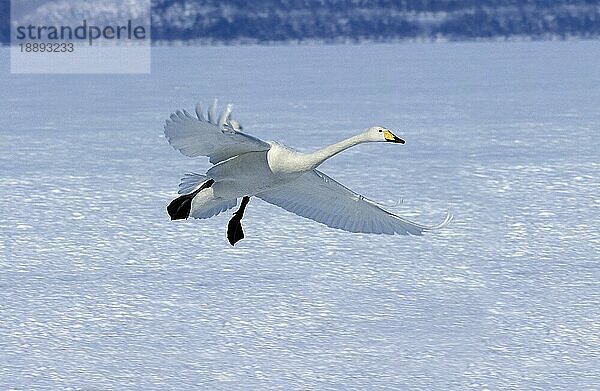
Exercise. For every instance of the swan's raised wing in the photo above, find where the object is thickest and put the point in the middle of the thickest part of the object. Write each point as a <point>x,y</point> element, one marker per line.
<point>218,138</point>
<point>318,197</point>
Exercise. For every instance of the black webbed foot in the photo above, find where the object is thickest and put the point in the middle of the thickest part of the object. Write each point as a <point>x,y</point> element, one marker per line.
<point>235,233</point>
<point>180,207</point>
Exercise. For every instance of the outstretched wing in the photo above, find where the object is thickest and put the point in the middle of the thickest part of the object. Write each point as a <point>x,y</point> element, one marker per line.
<point>318,197</point>
<point>217,138</point>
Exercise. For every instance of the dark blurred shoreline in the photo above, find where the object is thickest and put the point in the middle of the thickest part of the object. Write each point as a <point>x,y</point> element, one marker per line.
<point>341,21</point>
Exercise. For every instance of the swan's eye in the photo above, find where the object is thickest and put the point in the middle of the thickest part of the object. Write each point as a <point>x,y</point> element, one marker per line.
<point>380,130</point>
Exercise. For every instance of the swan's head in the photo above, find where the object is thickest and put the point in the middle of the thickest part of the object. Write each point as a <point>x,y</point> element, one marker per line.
<point>379,133</point>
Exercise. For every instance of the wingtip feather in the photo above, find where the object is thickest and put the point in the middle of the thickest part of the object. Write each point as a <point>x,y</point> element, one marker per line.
<point>212,111</point>
<point>449,217</point>
<point>199,113</point>
<point>224,116</point>
<point>443,224</point>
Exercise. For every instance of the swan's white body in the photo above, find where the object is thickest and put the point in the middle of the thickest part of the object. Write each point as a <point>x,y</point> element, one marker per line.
<point>247,166</point>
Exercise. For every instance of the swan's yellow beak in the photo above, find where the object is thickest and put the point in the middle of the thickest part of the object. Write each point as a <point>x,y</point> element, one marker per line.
<point>389,136</point>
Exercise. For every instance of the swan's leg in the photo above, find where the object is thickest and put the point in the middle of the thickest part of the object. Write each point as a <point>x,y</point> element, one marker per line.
<point>234,228</point>
<point>180,207</point>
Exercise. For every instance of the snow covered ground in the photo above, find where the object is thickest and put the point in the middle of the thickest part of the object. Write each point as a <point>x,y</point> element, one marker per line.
<point>99,290</point>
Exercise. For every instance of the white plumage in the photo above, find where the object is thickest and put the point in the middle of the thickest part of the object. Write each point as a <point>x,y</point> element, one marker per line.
<point>247,166</point>
<point>196,136</point>
<point>318,197</point>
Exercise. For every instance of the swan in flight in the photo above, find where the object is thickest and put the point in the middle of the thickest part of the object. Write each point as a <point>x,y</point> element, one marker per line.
<point>245,166</point>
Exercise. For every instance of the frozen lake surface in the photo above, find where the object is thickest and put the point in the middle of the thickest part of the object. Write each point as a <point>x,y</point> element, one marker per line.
<point>100,290</point>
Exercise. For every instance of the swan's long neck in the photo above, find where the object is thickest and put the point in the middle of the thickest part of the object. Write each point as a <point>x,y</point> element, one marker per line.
<point>314,159</point>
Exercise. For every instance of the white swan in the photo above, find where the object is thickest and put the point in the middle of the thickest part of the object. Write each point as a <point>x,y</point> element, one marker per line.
<point>246,166</point>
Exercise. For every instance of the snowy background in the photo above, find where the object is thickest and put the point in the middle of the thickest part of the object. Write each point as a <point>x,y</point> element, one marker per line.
<point>99,290</point>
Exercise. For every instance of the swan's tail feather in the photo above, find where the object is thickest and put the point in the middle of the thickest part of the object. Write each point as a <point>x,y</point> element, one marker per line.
<point>210,208</point>
<point>190,182</point>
